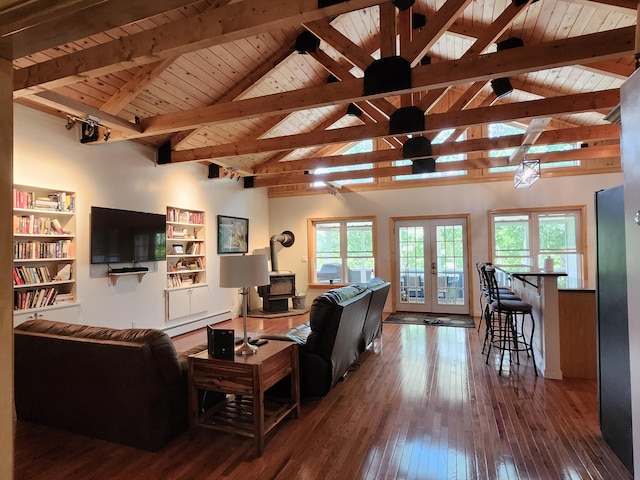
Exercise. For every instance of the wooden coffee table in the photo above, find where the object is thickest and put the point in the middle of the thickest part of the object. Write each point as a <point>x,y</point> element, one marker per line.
<point>245,379</point>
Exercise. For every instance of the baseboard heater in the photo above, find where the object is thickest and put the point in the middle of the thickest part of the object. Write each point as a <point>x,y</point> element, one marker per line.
<point>191,325</point>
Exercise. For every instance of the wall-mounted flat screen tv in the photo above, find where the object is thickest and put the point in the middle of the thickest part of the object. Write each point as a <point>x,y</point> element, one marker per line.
<point>125,236</point>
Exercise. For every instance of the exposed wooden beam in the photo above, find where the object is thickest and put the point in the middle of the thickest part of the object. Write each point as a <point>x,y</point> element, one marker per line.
<point>484,39</point>
<point>21,15</point>
<point>612,69</point>
<point>388,30</point>
<point>141,79</point>
<point>48,31</point>
<point>212,27</point>
<point>242,87</point>
<point>343,73</point>
<point>436,122</point>
<point>349,50</point>
<point>504,63</point>
<point>472,164</point>
<point>568,135</point>
<point>72,107</point>
<point>133,87</point>
<point>438,23</point>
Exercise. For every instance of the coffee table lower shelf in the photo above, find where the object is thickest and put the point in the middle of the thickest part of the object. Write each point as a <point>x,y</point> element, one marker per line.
<point>235,415</point>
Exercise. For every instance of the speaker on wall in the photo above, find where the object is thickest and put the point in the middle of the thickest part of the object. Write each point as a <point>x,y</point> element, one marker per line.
<point>221,343</point>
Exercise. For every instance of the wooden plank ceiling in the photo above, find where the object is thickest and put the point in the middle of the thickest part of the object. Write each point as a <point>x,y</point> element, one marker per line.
<point>220,81</point>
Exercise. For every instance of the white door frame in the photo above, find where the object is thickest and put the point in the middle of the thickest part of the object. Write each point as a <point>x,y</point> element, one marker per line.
<point>399,305</point>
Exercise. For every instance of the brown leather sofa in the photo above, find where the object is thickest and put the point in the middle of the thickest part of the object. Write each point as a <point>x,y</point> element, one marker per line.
<point>125,386</point>
<point>342,323</point>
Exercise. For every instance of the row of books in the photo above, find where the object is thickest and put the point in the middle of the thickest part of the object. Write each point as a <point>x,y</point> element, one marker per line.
<point>36,249</point>
<point>33,275</point>
<point>185,216</point>
<point>24,275</point>
<point>43,297</point>
<point>32,225</point>
<point>60,201</point>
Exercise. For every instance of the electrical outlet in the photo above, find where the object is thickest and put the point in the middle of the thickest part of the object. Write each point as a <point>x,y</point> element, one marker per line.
<point>133,324</point>
<point>303,259</point>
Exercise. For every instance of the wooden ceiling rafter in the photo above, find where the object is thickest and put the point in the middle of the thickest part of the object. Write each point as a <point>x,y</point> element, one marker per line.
<point>594,153</point>
<point>476,145</point>
<point>212,27</point>
<point>437,25</point>
<point>133,87</point>
<point>497,113</point>
<point>244,86</point>
<point>488,36</point>
<point>607,44</point>
<point>46,27</point>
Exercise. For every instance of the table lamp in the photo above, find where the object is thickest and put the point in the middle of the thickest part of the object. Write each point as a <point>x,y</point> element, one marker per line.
<point>243,272</point>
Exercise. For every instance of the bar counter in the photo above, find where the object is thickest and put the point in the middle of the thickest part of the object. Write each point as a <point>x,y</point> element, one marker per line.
<point>540,289</point>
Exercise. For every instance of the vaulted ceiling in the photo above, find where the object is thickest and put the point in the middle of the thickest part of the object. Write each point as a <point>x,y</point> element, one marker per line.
<point>221,81</point>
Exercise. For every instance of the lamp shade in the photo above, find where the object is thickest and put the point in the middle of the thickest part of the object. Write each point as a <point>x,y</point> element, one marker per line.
<point>238,271</point>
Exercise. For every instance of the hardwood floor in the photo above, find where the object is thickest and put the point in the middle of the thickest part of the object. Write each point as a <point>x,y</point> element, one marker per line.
<point>426,407</point>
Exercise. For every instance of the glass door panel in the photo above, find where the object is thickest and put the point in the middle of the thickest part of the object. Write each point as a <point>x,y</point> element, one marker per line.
<point>431,262</point>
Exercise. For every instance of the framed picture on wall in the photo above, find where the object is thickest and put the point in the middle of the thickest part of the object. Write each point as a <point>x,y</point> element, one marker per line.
<point>233,234</point>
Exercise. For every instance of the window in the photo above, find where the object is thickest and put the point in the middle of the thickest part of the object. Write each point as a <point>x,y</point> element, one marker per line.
<point>341,250</point>
<point>360,147</point>
<point>503,129</point>
<point>524,239</point>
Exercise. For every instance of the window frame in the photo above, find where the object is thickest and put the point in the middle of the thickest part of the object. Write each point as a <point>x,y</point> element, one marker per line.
<point>581,236</point>
<point>311,246</point>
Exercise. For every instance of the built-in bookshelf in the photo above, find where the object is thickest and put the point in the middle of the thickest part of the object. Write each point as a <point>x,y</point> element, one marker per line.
<point>185,248</point>
<point>44,263</point>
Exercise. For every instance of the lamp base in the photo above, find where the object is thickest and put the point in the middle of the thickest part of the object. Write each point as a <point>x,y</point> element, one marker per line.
<point>246,349</point>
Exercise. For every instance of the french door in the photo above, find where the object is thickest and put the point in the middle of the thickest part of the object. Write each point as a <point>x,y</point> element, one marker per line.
<point>431,265</point>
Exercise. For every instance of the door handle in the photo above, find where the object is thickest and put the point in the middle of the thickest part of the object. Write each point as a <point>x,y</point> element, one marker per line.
<point>433,268</point>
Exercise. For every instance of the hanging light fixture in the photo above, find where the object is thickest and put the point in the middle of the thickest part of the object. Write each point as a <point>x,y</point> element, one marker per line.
<point>527,173</point>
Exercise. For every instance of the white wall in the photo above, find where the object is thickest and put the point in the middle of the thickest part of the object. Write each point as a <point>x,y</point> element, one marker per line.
<point>472,199</point>
<point>124,175</point>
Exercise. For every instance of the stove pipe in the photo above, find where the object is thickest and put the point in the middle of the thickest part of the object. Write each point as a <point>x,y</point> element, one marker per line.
<point>286,238</point>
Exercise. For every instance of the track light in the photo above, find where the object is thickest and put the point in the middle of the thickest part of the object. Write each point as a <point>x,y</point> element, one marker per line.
<point>89,128</point>
<point>231,173</point>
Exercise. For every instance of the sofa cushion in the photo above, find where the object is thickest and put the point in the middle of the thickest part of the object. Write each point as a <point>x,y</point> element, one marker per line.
<point>375,281</point>
<point>160,345</point>
<point>324,304</point>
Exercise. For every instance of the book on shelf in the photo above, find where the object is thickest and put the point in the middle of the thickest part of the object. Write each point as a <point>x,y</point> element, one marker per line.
<point>41,297</point>
<point>193,248</point>
<point>27,275</point>
<point>64,298</point>
<point>59,201</point>
<point>35,249</point>
<point>178,215</point>
<point>64,273</point>
<point>56,226</point>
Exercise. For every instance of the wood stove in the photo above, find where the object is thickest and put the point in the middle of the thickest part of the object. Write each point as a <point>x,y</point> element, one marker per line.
<point>276,295</point>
